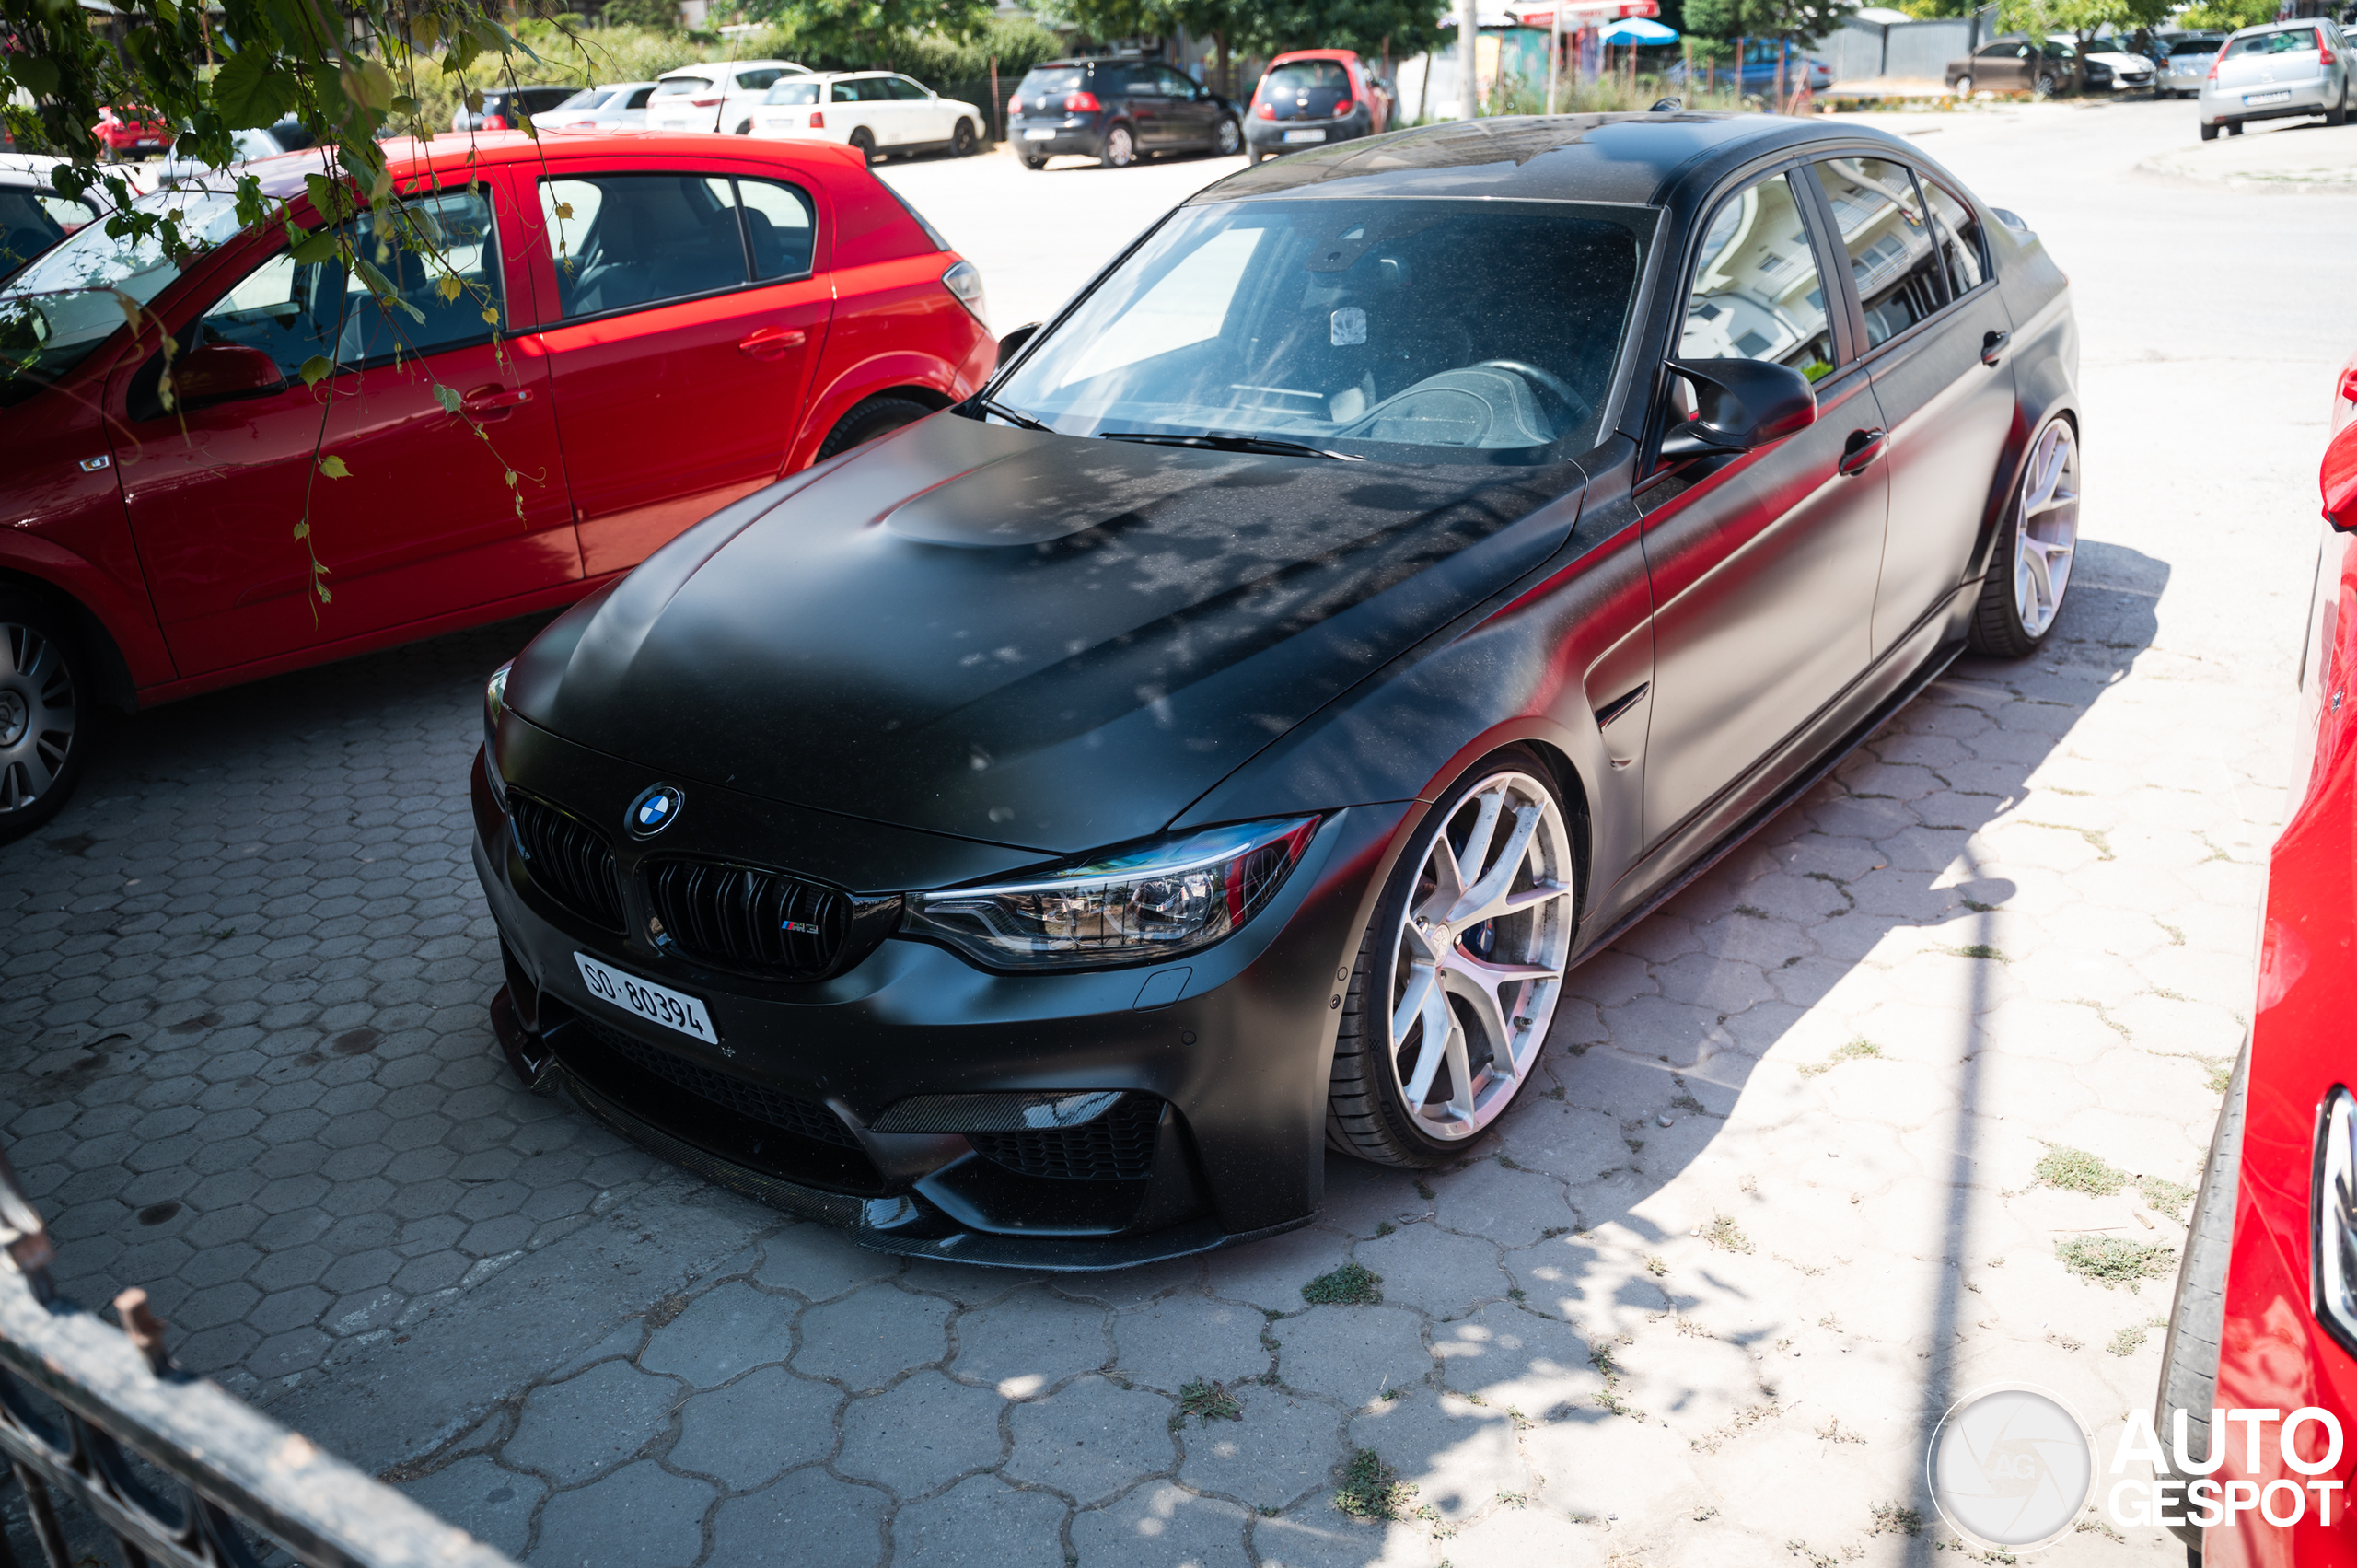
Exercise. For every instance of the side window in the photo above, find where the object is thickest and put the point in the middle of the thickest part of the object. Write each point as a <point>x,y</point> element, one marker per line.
<point>638,99</point>
<point>646,238</point>
<point>1883,228</point>
<point>860,91</point>
<point>904,89</point>
<point>289,312</point>
<point>1961,241</point>
<point>757,81</point>
<point>778,228</point>
<point>1757,292</point>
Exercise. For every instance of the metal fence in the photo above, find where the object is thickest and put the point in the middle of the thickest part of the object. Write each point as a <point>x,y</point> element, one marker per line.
<point>100,1430</point>
<point>1862,51</point>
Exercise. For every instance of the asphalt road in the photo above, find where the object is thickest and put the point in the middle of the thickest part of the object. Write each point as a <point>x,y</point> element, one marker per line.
<point>248,1069</point>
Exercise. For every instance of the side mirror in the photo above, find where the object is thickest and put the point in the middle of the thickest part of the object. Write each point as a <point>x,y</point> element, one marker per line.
<point>1740,406</point>
<point>219,372</point>
<point>2337,479</point>
<point>1012,344</point>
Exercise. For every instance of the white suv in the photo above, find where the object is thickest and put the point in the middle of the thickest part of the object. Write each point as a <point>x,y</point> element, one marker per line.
<point>876,112</point>
<point>719,95</point>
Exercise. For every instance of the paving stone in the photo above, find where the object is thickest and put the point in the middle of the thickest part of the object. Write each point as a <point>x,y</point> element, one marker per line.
<point>1433,1270</point>
<point>571,1431</point>
<point>1315,1536</point>
<point>920,1434</point>
<point>1161,1525</point>
<point>1460,1456</point>
<point>981,1523</point>
<point>1090,1439</point>
<point>1183,1338</point>
<point>494,1506</point>
<point>809,1519</point>
<point>866,1340</point>
<point>1281,1446</point>
<point>1270,1275</point>
<point>819,1264</point>
<point>639,1515</point>
<point>1352,1354</point>
<point>760,1424</point>
<point>721,1333</point>
<point>1029,1341</point>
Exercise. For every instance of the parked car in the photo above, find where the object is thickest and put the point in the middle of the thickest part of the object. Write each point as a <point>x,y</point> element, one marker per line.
<point>2130,72</point>
<point>2264,1323</point>
<point>607,108</point>
<point>880,113</point>
<point>2015,65</point>
<point>1116,111</point>
<point>1039,838</point>
<point>286,136</point>
<point>2281,70</point>
<point>2188,64</point>
<point>693,318</point>
<point>720,95</point>
<point>130,133</point>
<point>33,216</point>
<point>1309,98</point>
<point>1757,74</point>
<point>505,108</point>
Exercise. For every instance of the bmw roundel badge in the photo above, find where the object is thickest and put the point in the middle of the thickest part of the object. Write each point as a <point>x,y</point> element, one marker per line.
<point>653,811</point>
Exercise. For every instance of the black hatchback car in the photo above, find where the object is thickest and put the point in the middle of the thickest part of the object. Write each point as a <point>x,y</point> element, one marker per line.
<point>1038,836</point>
<point>1118,111</point>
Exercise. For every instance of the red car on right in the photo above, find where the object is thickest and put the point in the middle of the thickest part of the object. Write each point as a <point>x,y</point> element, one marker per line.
<point>2258,1385</point>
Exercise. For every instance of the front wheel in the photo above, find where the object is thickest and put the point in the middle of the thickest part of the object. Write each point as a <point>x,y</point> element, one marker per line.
<point>1459,974</point>
<point>961,140</point>
<point>1228,138</point>
<point>45,713</point>
<point>1963,87</point>
<point>1121,149</point>
<point>2209,133</point>
<point>2046,87</point>
<point>2030,569</point>
<point>864,145</point>
<point>877,416</point>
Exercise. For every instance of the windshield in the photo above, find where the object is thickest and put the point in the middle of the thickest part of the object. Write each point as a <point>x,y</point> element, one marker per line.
<point>1415,330</point>
<point>69,301</point>
<point>2291,40</point>
<point>793,92</point>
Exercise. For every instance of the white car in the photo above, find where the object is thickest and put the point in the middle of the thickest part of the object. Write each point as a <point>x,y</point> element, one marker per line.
<point>607,108</point>
<point>719,95</point>
<point>2130,71</point>
<point>876,112</point>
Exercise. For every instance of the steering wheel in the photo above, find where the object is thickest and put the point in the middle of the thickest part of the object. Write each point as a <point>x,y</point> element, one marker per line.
<point>1579,406</point>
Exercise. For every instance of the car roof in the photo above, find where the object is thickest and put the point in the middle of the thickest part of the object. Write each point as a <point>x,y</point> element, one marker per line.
<point>702,66</point>
<point>1565,158</point>
<point>450,152</point>
<point>2278,27</point>
<point>1347,55</point>
<point>1097,60</point>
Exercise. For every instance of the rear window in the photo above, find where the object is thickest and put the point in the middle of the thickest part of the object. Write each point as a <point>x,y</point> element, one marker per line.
<point>682,87</point>
<point>2193,46</point>
<point>1309,77</point>
<point>752,81</point>
<point>793,92</point>
<point>1047,79</point>
<point>2291,40</point>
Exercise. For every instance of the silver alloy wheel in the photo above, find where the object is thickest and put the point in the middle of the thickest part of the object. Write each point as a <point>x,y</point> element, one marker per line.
<point>1119,147</point>
<point>1230,138</point>
<point>2046,528</point>
<point>1477,964</point>
<point>1963,87</point>
<point>37,716</point>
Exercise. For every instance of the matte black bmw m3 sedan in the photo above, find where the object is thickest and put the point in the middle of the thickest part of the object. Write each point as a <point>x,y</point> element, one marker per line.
<point>1038,836</point>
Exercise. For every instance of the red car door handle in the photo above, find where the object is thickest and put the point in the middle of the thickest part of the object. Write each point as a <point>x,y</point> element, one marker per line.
<point>770,341</point>
<point>494,400</point>
<point>1862,447</point>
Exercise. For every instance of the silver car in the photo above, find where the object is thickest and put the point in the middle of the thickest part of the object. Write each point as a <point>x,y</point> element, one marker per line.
<point>609,108</point>
<point>2186,65</point>
<point>2278,70</point>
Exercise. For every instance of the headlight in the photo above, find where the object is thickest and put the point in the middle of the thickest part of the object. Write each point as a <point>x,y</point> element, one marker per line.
<point>2332,1211</point>
<point>1137,904</point>
<point>965,280</point>
<point>494,702</point>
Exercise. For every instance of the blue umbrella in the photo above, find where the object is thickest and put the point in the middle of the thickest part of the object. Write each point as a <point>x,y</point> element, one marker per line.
<point>1637,29</point>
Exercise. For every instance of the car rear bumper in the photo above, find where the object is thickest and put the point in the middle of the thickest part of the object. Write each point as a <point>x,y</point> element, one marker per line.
<point>1294,135</point>
<point>1054,138</point>
<point>2299,98</point>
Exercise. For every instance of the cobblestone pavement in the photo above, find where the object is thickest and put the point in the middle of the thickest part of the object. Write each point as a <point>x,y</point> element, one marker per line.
<point>1772,1204</point>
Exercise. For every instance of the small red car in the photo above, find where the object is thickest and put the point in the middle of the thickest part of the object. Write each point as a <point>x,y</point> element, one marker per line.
<point>2261,1361</point>
<point>645,328</point>
<point>127,132</point>
<point>1312,97</point>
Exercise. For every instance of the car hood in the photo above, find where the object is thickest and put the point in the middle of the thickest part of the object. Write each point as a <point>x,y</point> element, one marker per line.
<point>1035,639</point>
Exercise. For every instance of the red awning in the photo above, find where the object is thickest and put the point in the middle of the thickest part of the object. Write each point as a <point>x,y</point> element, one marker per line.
<point>1579,14</point>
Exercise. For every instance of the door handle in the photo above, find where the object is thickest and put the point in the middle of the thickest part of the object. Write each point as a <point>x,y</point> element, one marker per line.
<point>494,401</point>
<point>1862,447</point>
<point>1992,347</point>
<point>770,341</point>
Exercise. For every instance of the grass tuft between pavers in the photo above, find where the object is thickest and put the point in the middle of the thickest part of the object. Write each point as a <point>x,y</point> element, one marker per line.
<point>1372,1489</point>
<point>2111,1260</point>
<point>2075,1170</point>
<point>2165,1197</point>
<point>1207,1401</point>
<point>1352,1285</point>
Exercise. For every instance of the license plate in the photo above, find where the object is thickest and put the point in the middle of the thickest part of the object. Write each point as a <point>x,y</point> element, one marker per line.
<point>2283,97</point>
<point>1305,135</point>
<point>1038,135</point>
<point>645,999</point>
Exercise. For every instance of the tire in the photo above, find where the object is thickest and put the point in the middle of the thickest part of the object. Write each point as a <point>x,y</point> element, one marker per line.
<point>2234,127</point>
<point>1228,140</point>
<point>48,711</point>
<point>745,128</point>
<point>2209,133</point>
<point>1035,164</point>
<point>2338,115</point>
<point>1121,149</point>
<point>1424,941</point>
<point>961,140</point>
<point>2046,87</point>
<point>865,143</point>
<point>877,416</point>
<point>2030,569</point>
<point>1963,87</point>
<point>2198,1315</point>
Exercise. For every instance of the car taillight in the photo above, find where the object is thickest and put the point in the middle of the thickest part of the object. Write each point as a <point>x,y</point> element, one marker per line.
<point>2324,54</point>
<point>1015,103</point>
<point>818,119</point>
<point>1081,103</point>
<point>964,281</point>
<point>705,102</point>
<point>1345,107</point>
<point>494,122</point>
<point>2349,385</point>
<point>1265,110</point>
<point>2215,61</point>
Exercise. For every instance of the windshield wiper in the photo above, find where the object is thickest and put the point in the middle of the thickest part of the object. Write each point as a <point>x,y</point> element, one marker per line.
<point>1232,444</point>
<point>1012,415</point>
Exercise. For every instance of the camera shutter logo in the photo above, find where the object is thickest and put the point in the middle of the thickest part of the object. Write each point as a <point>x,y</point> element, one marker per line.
<point>2011,1465</point>
<point>653,811</point>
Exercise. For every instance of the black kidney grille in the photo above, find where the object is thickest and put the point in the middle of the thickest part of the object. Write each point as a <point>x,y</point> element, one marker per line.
<point>758,1101</point>
<point>760,922</point>
<point>569,861</point>
<point>1117,1146</point>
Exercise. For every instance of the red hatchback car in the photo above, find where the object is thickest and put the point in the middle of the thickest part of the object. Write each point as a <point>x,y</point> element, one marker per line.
<point>2262,1364</point>
<point>648,328</point>
<point>131,132</point>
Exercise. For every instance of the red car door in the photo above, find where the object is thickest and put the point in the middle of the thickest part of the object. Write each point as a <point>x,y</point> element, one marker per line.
<point>688,306</point>
<point>427,520</point>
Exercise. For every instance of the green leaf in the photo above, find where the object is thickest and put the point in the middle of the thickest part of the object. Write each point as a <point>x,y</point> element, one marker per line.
<point>316,369</point>
<point>447,396</point>
<point>332,467</point>
<point>302,530</point>
<point>316,245</point>
<point>35,75</point>
<point>449,287</point>
<point>249,89</point>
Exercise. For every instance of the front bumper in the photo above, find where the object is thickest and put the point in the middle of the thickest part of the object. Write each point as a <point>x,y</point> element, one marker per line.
<point>1221,1071</point>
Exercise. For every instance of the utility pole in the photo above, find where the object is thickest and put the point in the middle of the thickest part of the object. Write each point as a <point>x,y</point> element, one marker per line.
<point>1468,75</point>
